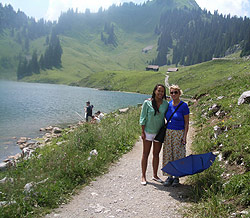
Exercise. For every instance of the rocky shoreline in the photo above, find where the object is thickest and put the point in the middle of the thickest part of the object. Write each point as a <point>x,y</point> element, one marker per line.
<point>28,145</point>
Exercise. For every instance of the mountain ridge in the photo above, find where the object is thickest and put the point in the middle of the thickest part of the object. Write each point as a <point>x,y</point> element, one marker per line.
<point>111,40</point>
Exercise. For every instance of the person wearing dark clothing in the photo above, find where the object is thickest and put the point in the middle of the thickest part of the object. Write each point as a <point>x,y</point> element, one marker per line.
<point>88,111</point>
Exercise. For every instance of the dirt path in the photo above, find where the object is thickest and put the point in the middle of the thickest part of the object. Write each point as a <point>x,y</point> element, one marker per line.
<point>120,194</point>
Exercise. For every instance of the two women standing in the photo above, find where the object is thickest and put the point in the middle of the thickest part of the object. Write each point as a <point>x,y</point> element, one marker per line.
<point>153,115</point>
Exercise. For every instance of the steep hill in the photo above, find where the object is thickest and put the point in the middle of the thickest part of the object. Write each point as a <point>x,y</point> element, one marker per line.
<point>88,45</point>
<point>120,39</point>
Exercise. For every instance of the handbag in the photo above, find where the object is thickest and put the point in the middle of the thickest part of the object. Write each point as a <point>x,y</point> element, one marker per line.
<point>162,132</point>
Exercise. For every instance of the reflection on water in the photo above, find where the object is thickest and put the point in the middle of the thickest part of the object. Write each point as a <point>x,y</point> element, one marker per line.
<point>26,107</point>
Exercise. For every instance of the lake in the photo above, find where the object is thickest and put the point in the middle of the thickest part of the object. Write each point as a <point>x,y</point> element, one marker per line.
<point>27,107</point>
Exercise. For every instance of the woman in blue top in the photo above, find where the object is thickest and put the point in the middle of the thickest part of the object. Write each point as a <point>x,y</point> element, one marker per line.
<point>151,120</point>
<point>176,135</point>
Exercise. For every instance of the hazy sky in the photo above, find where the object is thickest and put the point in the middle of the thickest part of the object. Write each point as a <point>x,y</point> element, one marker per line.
<point>51,9</point>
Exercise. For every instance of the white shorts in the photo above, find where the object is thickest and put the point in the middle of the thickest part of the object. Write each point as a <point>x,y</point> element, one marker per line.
<point>150,136</point>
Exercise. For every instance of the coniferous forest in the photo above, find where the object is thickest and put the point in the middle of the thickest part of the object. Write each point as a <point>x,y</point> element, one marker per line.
<point>195,36</point>
<point>186,35</point>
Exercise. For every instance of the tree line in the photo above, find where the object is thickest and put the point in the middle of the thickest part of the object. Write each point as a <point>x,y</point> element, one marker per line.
<point>188,37</point>
<point>23,29</point>
<point>51,58</point>
<point>108,35</point>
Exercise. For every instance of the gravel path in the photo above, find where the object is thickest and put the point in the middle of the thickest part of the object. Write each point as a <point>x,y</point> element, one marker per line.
<point>120,194</point>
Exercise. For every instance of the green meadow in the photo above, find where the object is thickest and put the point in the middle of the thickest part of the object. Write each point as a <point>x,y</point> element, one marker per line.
<point>82,58</point>
<point>221,191</point>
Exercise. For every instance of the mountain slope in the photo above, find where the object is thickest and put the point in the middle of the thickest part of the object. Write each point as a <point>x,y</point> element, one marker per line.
<point>85,53</point>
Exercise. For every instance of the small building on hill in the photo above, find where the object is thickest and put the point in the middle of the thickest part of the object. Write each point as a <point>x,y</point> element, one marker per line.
<point>172,69</point>
<point>153,67</point>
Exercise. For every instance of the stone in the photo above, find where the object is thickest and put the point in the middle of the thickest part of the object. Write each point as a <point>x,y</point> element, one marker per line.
<point>220,97</point>
<point>2,181</point>
<point>244,98</point>
<point>28,187</point>
<point>93,152</point>
<point>49,128</point>
<point>217,131</point>
<point>5,179</point>
<point>124,110</point>
<point>26,152</point>
<point>215,108</point>
<point>220,114</point>
<point>56,130</point>
<point>22,140</point>
<point>3,166</point>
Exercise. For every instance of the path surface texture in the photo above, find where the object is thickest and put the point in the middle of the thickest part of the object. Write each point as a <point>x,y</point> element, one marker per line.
<point>119,193</point>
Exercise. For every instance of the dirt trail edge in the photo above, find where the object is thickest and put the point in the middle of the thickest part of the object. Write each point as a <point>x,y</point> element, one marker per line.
<point>120,194</point>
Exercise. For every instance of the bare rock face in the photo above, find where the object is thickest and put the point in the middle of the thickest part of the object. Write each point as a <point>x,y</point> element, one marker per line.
<point>244,98</point>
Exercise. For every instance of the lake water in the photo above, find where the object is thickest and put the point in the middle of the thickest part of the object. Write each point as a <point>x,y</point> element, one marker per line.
<point>26,107</point>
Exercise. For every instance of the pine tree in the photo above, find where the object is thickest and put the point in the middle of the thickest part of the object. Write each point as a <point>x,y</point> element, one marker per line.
<point>34,63</point>
<point>41,62</point>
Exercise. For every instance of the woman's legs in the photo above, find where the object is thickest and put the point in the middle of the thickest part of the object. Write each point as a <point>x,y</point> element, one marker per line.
<point>155,162</point>
<point>144,161</point>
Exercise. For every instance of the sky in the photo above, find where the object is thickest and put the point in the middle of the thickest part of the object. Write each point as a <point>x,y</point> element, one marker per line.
<point>51,9</point>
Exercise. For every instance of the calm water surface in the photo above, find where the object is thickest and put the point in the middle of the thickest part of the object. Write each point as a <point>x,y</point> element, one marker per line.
<point>26,107</point>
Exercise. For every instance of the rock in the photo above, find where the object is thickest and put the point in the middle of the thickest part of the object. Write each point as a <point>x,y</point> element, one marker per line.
<point>215,108</point>
<point>217,131</point>
<point>3,203</point>
<point>27,152</point>
<point>220,97</point>
<point>5,179</point>
<point>3,166</point>
<point>99,208</point>
<point>93,152</point>
<point>220,114</point>
<point>49,128</point>
<point>56,130</point>
<point>31,142</point>
<point>28,187</point>
<point>124,110</point>
<point>22,140</point>
<point>244,98</point>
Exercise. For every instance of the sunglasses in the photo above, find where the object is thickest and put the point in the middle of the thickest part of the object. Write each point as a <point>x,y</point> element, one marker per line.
<point>175,92</point>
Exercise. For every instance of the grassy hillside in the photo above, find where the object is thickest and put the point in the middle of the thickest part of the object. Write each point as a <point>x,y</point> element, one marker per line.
<point>223,190</point>
<point>193,79</point>
<point>132,81</point>
<point>8,56</point>
<point>83,51</point>
<point>82,57</point>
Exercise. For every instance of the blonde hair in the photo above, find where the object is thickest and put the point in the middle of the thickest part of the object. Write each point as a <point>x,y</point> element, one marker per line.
<point>176,87</point>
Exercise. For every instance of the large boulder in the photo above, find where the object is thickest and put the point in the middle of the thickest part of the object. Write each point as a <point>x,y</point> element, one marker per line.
<point>244,98</point>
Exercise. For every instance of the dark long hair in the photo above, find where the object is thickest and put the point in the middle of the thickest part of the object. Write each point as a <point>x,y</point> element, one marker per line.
<point>153,97</point>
